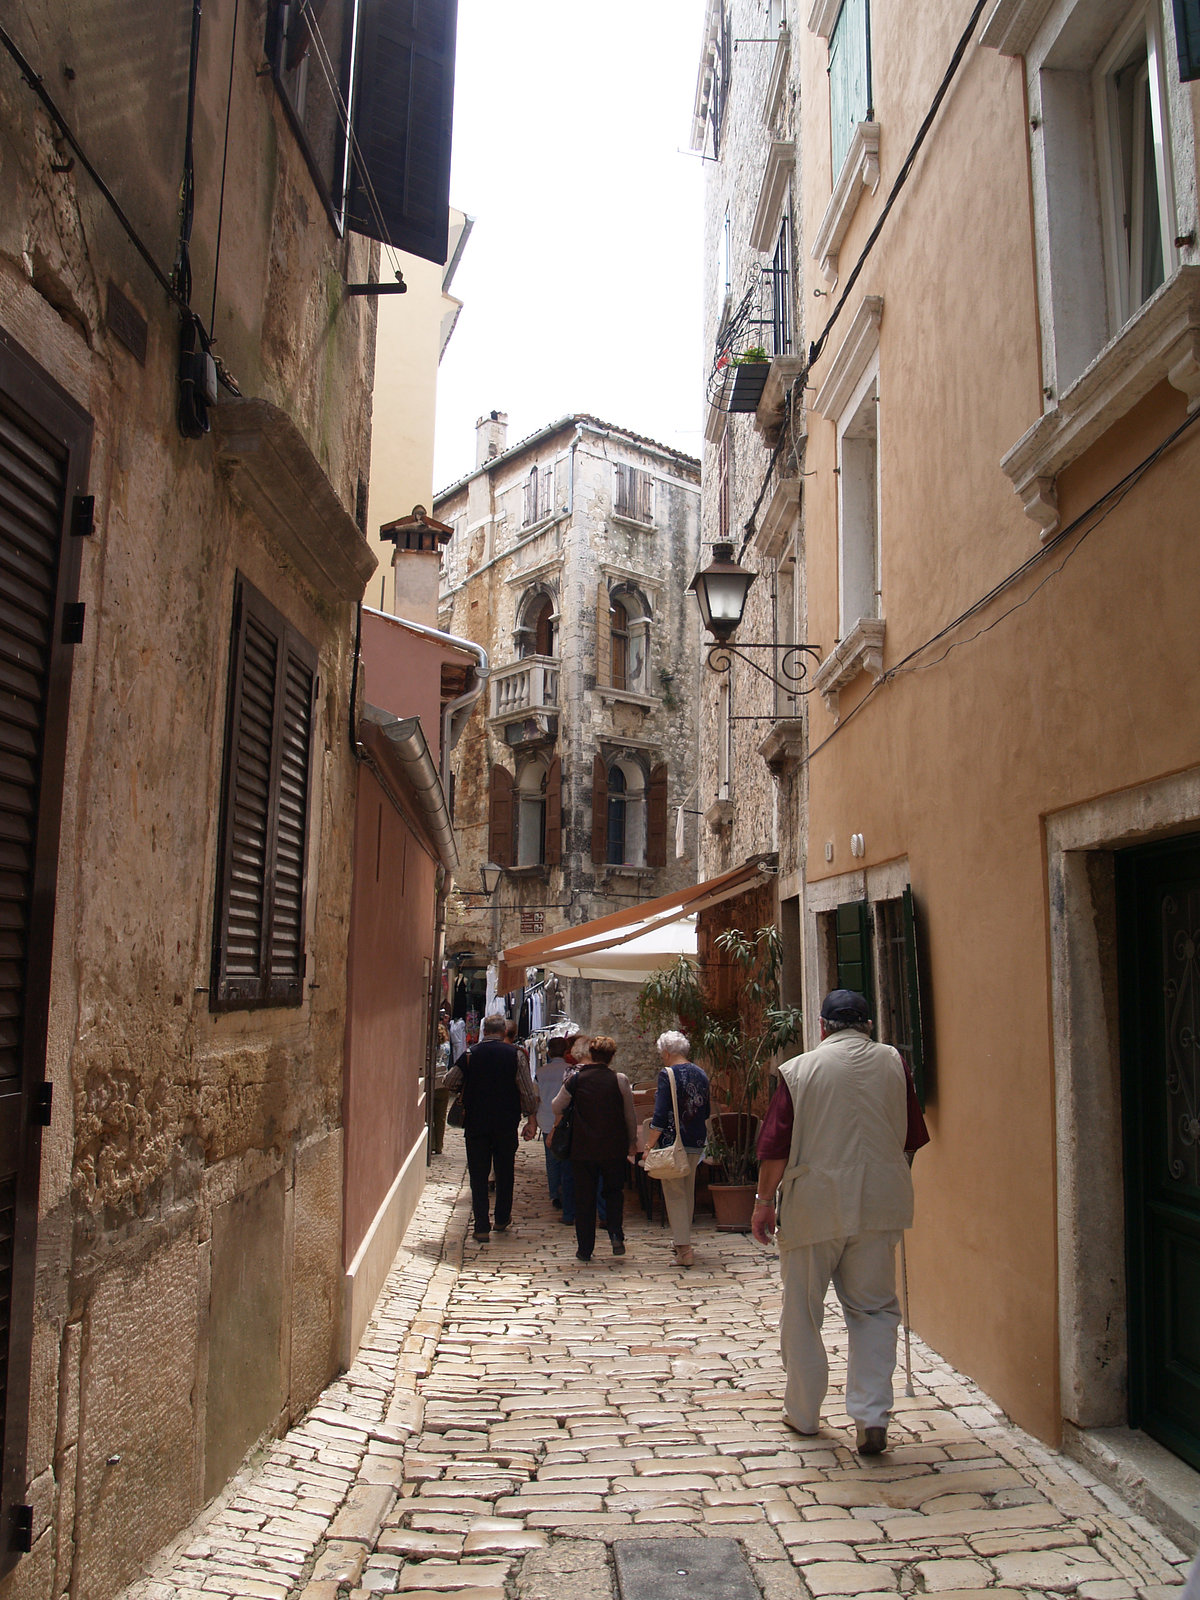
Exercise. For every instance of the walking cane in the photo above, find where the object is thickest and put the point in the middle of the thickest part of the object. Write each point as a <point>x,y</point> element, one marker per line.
<point>908,1383</point>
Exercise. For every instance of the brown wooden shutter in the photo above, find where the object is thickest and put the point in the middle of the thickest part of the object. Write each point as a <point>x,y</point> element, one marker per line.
<point>599,811</point>
<point>656,820</point>
<point>603,635</point>
<point>553,853</point>
<point>44,449</point>
<point>403,106</point>
<point>258,931</point>
<point>500,817</point>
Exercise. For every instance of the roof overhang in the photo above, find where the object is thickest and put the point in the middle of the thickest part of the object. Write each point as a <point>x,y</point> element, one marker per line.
<point>398,754</point>
<point>609,934</point>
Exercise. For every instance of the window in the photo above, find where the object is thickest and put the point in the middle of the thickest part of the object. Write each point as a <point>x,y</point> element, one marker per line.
<point>537,627</point>
<point>634,490</point>
<point>629,813</point>
<point>618,625</point>
<point>779,275</point>
<point>258,934</point>
<point>1136,198</point>
<point>394,63</point>
<point>723,496</point>
<point>849,77</point>
<point>539,495</point>
<point>858,510</point>
<point>529,815</point>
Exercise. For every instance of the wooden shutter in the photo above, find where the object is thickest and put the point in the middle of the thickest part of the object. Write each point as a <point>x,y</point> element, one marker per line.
<point>918,1053</point>
<point>603,635</point>
<point>44,449</point>
<point>656,817</point>
<point>258,932</point>
<point>399,188</point>
<point>599,811</point>
<point>500,817</point>
<point>854,949</point>
<point>553,851</point>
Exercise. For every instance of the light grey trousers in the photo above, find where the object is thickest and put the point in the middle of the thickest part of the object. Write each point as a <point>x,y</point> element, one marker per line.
<point>680,1197</point>
<point>863,1273</point>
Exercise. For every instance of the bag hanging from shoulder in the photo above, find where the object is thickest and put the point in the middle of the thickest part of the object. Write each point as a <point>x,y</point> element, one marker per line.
<point>672,1160</point>
<point>561,1133</point>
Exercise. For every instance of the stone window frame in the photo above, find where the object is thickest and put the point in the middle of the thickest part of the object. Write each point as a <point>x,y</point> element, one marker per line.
<point>1093,372</point>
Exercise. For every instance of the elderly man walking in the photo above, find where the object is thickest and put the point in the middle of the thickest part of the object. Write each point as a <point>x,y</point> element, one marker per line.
<point>496,1089</point>
<point>833,1146</point>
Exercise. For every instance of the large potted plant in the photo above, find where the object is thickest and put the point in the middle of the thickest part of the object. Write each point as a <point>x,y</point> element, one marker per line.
<point>737,1046</point>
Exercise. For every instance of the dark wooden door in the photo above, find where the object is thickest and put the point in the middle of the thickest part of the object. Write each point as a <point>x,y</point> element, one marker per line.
<point>1159,923</point>
<point>44,444</point>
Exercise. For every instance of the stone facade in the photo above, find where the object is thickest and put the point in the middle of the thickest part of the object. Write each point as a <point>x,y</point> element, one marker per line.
<point>551,534</point>
<point>187,1270</point>
<point>987,469</point>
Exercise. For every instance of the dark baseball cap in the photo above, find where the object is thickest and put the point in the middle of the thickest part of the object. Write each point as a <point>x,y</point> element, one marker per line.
<point>845,1005</point>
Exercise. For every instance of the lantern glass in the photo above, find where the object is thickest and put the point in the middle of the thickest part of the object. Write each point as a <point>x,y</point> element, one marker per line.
<point>721,590</point>
<point>489,877</point>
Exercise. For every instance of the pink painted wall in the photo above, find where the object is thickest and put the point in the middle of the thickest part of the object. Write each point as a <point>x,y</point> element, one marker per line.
<point>403,673</point>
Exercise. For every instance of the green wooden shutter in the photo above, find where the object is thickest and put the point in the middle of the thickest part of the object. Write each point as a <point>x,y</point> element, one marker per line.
<point>912,966</point>
<point>854,968</point>
<point>849,78</point>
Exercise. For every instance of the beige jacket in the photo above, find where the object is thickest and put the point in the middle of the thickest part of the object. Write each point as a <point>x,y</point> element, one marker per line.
<point>846,1171</point>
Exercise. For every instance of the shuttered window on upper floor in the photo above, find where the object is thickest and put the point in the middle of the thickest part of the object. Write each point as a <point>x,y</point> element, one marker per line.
<point>849,77</point>
<point>383,169</point>
<point>258,934</point>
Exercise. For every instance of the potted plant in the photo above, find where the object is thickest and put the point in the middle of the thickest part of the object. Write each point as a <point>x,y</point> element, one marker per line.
<point>737,1046</point>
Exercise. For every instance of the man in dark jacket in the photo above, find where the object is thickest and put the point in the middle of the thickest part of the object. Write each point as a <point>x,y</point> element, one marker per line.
<point>496,1089</point>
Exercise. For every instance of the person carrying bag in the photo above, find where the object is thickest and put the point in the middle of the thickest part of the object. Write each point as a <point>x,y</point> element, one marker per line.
<point>681,1108</point>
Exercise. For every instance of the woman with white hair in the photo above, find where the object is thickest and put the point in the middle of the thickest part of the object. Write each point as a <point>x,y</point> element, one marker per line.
<point>691,1091</point>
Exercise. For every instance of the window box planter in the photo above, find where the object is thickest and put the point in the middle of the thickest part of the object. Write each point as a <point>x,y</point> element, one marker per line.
<point>745,383</point>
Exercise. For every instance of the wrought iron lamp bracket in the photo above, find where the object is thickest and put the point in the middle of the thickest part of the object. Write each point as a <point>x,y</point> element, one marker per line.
<point>793,662</point>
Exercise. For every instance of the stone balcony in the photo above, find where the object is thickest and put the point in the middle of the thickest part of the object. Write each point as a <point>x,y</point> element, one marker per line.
<point>524,689</point>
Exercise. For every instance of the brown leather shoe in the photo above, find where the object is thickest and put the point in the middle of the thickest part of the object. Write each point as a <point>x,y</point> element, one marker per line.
<point>871,1441</point>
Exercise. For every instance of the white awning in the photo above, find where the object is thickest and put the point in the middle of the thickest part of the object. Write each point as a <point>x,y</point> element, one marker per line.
<point>635,959</point>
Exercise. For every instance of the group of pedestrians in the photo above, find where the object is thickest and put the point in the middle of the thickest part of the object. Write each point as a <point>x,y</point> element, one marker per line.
<point>834,1187</point>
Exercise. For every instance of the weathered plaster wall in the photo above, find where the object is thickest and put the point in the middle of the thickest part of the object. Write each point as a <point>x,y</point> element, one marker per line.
<point>490,566</point>
<point>191,1184</point>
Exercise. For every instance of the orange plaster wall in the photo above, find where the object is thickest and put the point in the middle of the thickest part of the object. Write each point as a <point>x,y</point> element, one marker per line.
<point>1073,695</point>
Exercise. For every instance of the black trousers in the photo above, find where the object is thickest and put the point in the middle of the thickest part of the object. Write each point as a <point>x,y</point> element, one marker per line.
<point>589,1176</point>
<point>487,1149</point>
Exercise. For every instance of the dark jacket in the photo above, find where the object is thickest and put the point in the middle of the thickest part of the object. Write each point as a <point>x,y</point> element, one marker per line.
<point>491,1099</point>
<point>600,1132</point>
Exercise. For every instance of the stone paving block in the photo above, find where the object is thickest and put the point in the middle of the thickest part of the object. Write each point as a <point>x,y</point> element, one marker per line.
<point>414,1542</point>
<point>1051,1569</point>
<point>938,1575</point>
<point>440,1577</point>
<point>320,1590</point>
<point>484,1541</point>
<point>361,1517</point>
<point>850,1578</point>
<point>340,1562</point>
<point>995,1544</point>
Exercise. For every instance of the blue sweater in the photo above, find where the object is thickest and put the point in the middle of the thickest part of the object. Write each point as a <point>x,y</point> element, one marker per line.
<point>691,1086</point>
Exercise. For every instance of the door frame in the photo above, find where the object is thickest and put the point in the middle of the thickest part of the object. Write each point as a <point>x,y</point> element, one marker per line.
<point>1081,844</point>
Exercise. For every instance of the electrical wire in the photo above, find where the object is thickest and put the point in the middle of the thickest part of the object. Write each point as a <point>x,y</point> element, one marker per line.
<point>1101,509</point>
<point>212,318</point>
<point>901,177</point>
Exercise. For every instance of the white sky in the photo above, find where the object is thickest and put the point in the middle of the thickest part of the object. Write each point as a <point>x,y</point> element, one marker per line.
<point>581,279</point>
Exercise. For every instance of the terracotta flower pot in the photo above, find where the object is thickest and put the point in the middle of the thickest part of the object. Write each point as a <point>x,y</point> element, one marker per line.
<point>733,1204</point>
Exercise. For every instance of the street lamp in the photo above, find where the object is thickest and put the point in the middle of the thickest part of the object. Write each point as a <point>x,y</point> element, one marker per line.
<point>489,876</point>
<point>721,590</point>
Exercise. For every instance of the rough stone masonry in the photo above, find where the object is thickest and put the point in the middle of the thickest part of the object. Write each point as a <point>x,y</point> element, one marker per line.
<point>513,1417</point>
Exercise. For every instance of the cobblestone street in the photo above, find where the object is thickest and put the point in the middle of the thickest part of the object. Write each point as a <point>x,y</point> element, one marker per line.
<point>513,1414</point>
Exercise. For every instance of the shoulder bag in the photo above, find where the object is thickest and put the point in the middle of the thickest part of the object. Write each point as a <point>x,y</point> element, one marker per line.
<point>560,1135</point>
<point>672,1160</point>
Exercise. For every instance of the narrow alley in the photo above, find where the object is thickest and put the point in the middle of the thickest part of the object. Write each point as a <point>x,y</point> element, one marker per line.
<point>514,1418</point>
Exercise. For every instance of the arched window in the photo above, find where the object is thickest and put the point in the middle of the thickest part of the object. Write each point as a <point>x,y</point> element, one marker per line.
<point>529,815</point>
<point>618,626</point>
<point>537,626</point>
<point>626,814</point>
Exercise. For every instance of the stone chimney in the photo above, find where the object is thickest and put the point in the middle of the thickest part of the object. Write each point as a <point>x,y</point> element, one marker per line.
<point>417,564</point>
<point>491,432</point>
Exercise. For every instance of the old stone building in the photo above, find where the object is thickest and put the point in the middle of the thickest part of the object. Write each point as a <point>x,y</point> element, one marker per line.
<point>969,485</point>
<point>185,364</point>
<point>568,562</point>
